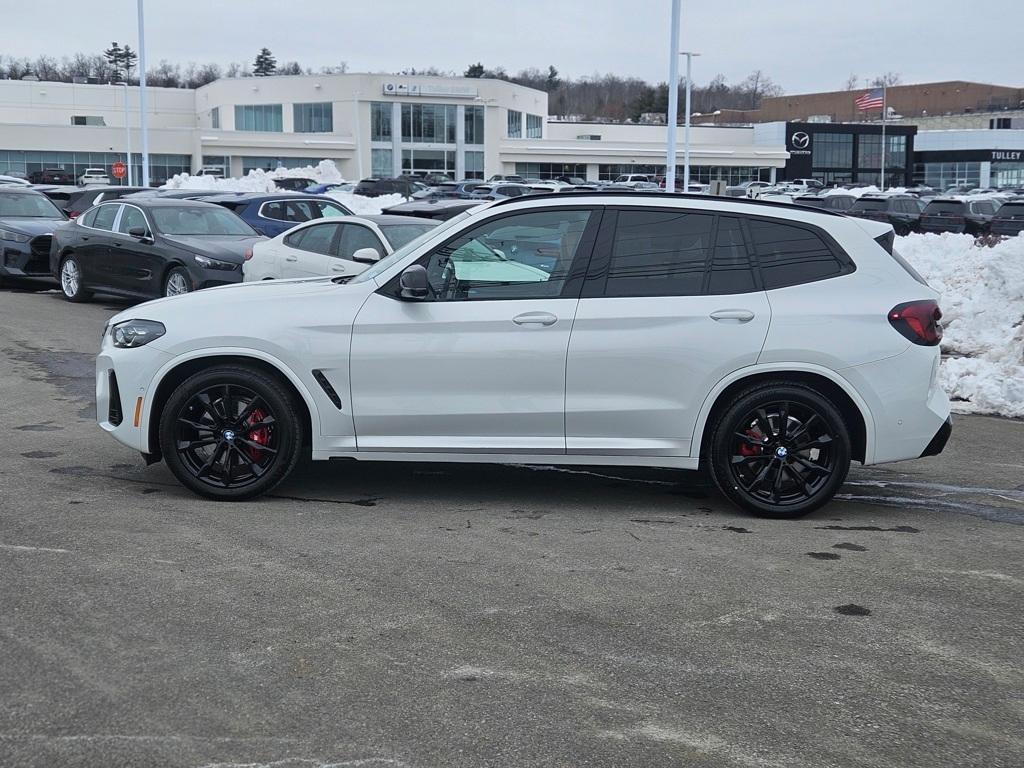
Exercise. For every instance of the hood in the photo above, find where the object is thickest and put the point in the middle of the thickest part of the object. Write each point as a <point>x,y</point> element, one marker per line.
<point>230,248</point>
<point>30,225</point>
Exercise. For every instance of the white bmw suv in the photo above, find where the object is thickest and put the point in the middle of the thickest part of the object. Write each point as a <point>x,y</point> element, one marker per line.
<point>767,344</point>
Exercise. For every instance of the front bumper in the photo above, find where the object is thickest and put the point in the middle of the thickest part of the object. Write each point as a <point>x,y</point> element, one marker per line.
<point>31,259</point>
<point>123,390</point>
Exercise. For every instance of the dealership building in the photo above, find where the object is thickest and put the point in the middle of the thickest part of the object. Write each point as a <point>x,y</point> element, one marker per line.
<point>368,124</point>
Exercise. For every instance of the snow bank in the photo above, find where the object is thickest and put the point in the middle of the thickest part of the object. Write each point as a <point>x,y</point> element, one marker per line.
<point>365,206</point>
<point>983,316</point>
<point>324,172</point>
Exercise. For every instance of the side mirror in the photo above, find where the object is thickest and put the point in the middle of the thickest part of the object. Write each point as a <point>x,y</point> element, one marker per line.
<point>413,282</point>
<point>139,233</point>
<point>366,255</point>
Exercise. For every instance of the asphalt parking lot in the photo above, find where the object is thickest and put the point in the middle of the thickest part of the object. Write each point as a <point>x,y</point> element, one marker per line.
<point>438,616</point>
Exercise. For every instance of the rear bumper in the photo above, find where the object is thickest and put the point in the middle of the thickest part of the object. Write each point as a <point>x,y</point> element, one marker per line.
<point>934,448</point>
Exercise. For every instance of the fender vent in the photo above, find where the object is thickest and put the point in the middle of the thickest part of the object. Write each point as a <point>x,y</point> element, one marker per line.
<point>327,388</point>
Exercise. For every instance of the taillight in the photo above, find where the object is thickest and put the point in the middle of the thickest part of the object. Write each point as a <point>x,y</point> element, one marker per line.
<point>918,321</point>
<point>74,214</point>
<point>248,253</point>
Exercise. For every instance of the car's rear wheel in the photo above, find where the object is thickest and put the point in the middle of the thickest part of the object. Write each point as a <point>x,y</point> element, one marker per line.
<point>177,282</point>
<point>71,280</point>
<point>230,433</point>
<point>780,450</point>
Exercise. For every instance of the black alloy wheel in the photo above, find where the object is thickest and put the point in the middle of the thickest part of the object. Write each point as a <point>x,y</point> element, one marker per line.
<point>230,433</point>
<point>781,450</point>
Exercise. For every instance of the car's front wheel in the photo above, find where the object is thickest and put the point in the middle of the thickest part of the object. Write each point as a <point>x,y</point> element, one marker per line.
<point>177,282</point>
<point>779,450</point>
<point>71,280</point>
<point>230,433</point>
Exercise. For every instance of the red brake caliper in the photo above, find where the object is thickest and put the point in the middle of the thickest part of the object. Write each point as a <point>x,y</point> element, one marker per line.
<point>260,436</point>
<point>746,449</point>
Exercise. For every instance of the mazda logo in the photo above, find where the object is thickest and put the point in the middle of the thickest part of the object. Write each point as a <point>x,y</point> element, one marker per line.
<point>800,140</point>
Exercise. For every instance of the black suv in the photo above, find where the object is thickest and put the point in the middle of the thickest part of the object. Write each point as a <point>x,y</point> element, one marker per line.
<point>950,214</point>
<point>836,202</point>
<point>403,185</point>
<point>1009,219</point>
<point>51,176</point>
<point>902,211</point>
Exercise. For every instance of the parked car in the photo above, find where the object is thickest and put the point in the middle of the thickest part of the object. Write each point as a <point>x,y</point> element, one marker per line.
<point>515,179</point>
<point>741,346</point>
<point>340,186</point>
<point>402,185</point>
<point>457,189</point>
<point>81,200</point>
<point>17,181</point>
<point>295,183</point>
<point>902,211</point>
<point>954,214</point>
<point>51,176</point>
<point>271,214</point>
<point>439,209</point>
<point>213,171</point>
<point>432,179</point>
<point>332,247</point>
<point>500,191</point>
<point>1009,219</point>
<point>831,202</point>
<point>809,183</point>
<point>59,194</point>
<point>746,188</point>
<point>93,176</point>
<point>632,179</point>
<point>27,220</point>
<point>148,248</point>
<point>573,180</point>
<point>174,194</point>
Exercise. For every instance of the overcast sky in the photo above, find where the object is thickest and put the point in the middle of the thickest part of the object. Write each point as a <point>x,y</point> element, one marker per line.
<point>804,45</point>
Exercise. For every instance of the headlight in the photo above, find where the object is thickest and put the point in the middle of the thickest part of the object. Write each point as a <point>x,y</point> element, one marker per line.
<point>136,333</point>
<point>208,263</point>
<point>17,237</point>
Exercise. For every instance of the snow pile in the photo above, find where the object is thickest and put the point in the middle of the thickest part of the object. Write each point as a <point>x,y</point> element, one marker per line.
<point>365,206</point>
<point>870,190</point>
<point>258,180</point>
<point>983,317</point>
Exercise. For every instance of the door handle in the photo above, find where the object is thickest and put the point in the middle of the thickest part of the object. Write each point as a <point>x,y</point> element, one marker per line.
<point>337,268</point>
<point>739,315</point>
<point>291,258</point>
<point>535,318</point>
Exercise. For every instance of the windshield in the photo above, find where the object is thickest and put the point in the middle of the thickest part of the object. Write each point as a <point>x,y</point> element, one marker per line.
<point>1009,210</point>
<point>384,264</point>
<point>946,206</point>
<point>175,220</point>
<point>29,206</point>
<point>401,234</point>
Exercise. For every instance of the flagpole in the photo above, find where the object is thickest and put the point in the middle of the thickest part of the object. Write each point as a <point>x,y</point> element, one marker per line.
<point>884,110</point>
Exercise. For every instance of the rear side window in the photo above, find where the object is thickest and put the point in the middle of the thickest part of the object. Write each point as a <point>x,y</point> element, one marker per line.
<point>88,217</point>
<point>984,207</point>
<point>105,216</point>
<point>316,239</point>
<point>659,253</point>
<point>790,255</point>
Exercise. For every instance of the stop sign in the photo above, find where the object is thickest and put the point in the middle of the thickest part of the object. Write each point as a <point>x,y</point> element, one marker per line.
<point>119,170</point>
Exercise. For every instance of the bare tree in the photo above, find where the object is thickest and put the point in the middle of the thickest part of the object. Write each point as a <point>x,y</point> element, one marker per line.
<point>888,79</point>
<point>851,82</point>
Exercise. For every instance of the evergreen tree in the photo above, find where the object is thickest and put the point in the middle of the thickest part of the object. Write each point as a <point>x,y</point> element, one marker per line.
<point>128,60</point>
<point>265,63</point>
<point>475,70</point>
<point>115,57</point>
<point>552,82</point>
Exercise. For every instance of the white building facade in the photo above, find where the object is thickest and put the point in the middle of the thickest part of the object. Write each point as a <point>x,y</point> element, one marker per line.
<point>368,124</point>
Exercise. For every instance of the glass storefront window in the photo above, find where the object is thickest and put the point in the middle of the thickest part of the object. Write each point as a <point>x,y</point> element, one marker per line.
<point>382,162</point>
<point>832,150</point>
<point>515,124</point>
<point>161,167</point>
<point>551,170</point>
<point>534,126</point>
<point>313,118</point>
<point>942,176</point>
<point>428,123</point>
<point>259,117</point>
<point>428,161</point>
<point>380,121</point>
<point>474,125</point>
<point>215,117</point>
<point>475,165</point>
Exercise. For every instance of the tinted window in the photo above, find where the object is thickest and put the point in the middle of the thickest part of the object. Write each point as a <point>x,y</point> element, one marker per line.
<point>985,207</point>
<point>356,236</point>
<point>317,238</point>
<point>1010,209</point>
<point>869,205</point>
<point>131,217</point>
<point>730,264</point>
<point>659,253</point>
<point>524,256</point>
<point>87,218</point>
<point>275,211</point>
<point>790,255</point>
<point>945,206</point>
<point>839,202</point>
<point>105,215</point>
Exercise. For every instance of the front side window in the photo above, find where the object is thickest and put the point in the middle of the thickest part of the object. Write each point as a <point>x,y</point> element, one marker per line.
<point>659,253</point>
<point>789,255</point>
<point>356,236</point>
<point>522,256</point>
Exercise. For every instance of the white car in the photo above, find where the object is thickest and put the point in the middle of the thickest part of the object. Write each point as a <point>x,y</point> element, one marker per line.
<point>93,176</point>
<point>335,246</point>
<point>13,181</point>
<point>632,179</point>
<point>769,345</point>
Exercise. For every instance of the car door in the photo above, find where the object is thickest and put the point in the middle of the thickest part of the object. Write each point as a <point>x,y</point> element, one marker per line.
<point>308,251</point>
<point>136,264</point>
<point>354,236</point>
<point>671,306</point>
<point>93,249</point>
<point>479,365</point>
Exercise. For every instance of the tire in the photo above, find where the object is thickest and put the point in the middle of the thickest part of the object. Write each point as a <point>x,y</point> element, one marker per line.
<point>71,280</point>
<point>230,433</point>
<point>794,471</point>
<point>902,229</point>
<point>177,281</point>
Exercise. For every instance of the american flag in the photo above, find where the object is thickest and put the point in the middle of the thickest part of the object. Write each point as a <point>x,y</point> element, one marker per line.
<point>871,100</point>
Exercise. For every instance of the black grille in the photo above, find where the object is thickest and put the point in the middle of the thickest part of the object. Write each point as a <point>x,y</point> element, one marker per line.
<point>326,386</point>
<point>39,247</point>
<point>114,413</point>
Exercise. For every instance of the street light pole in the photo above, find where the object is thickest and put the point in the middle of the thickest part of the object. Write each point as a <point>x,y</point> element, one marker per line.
<point>686,130</point>
<point>673,98</point>
<point>143,120</point>
<point>127,132</point>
